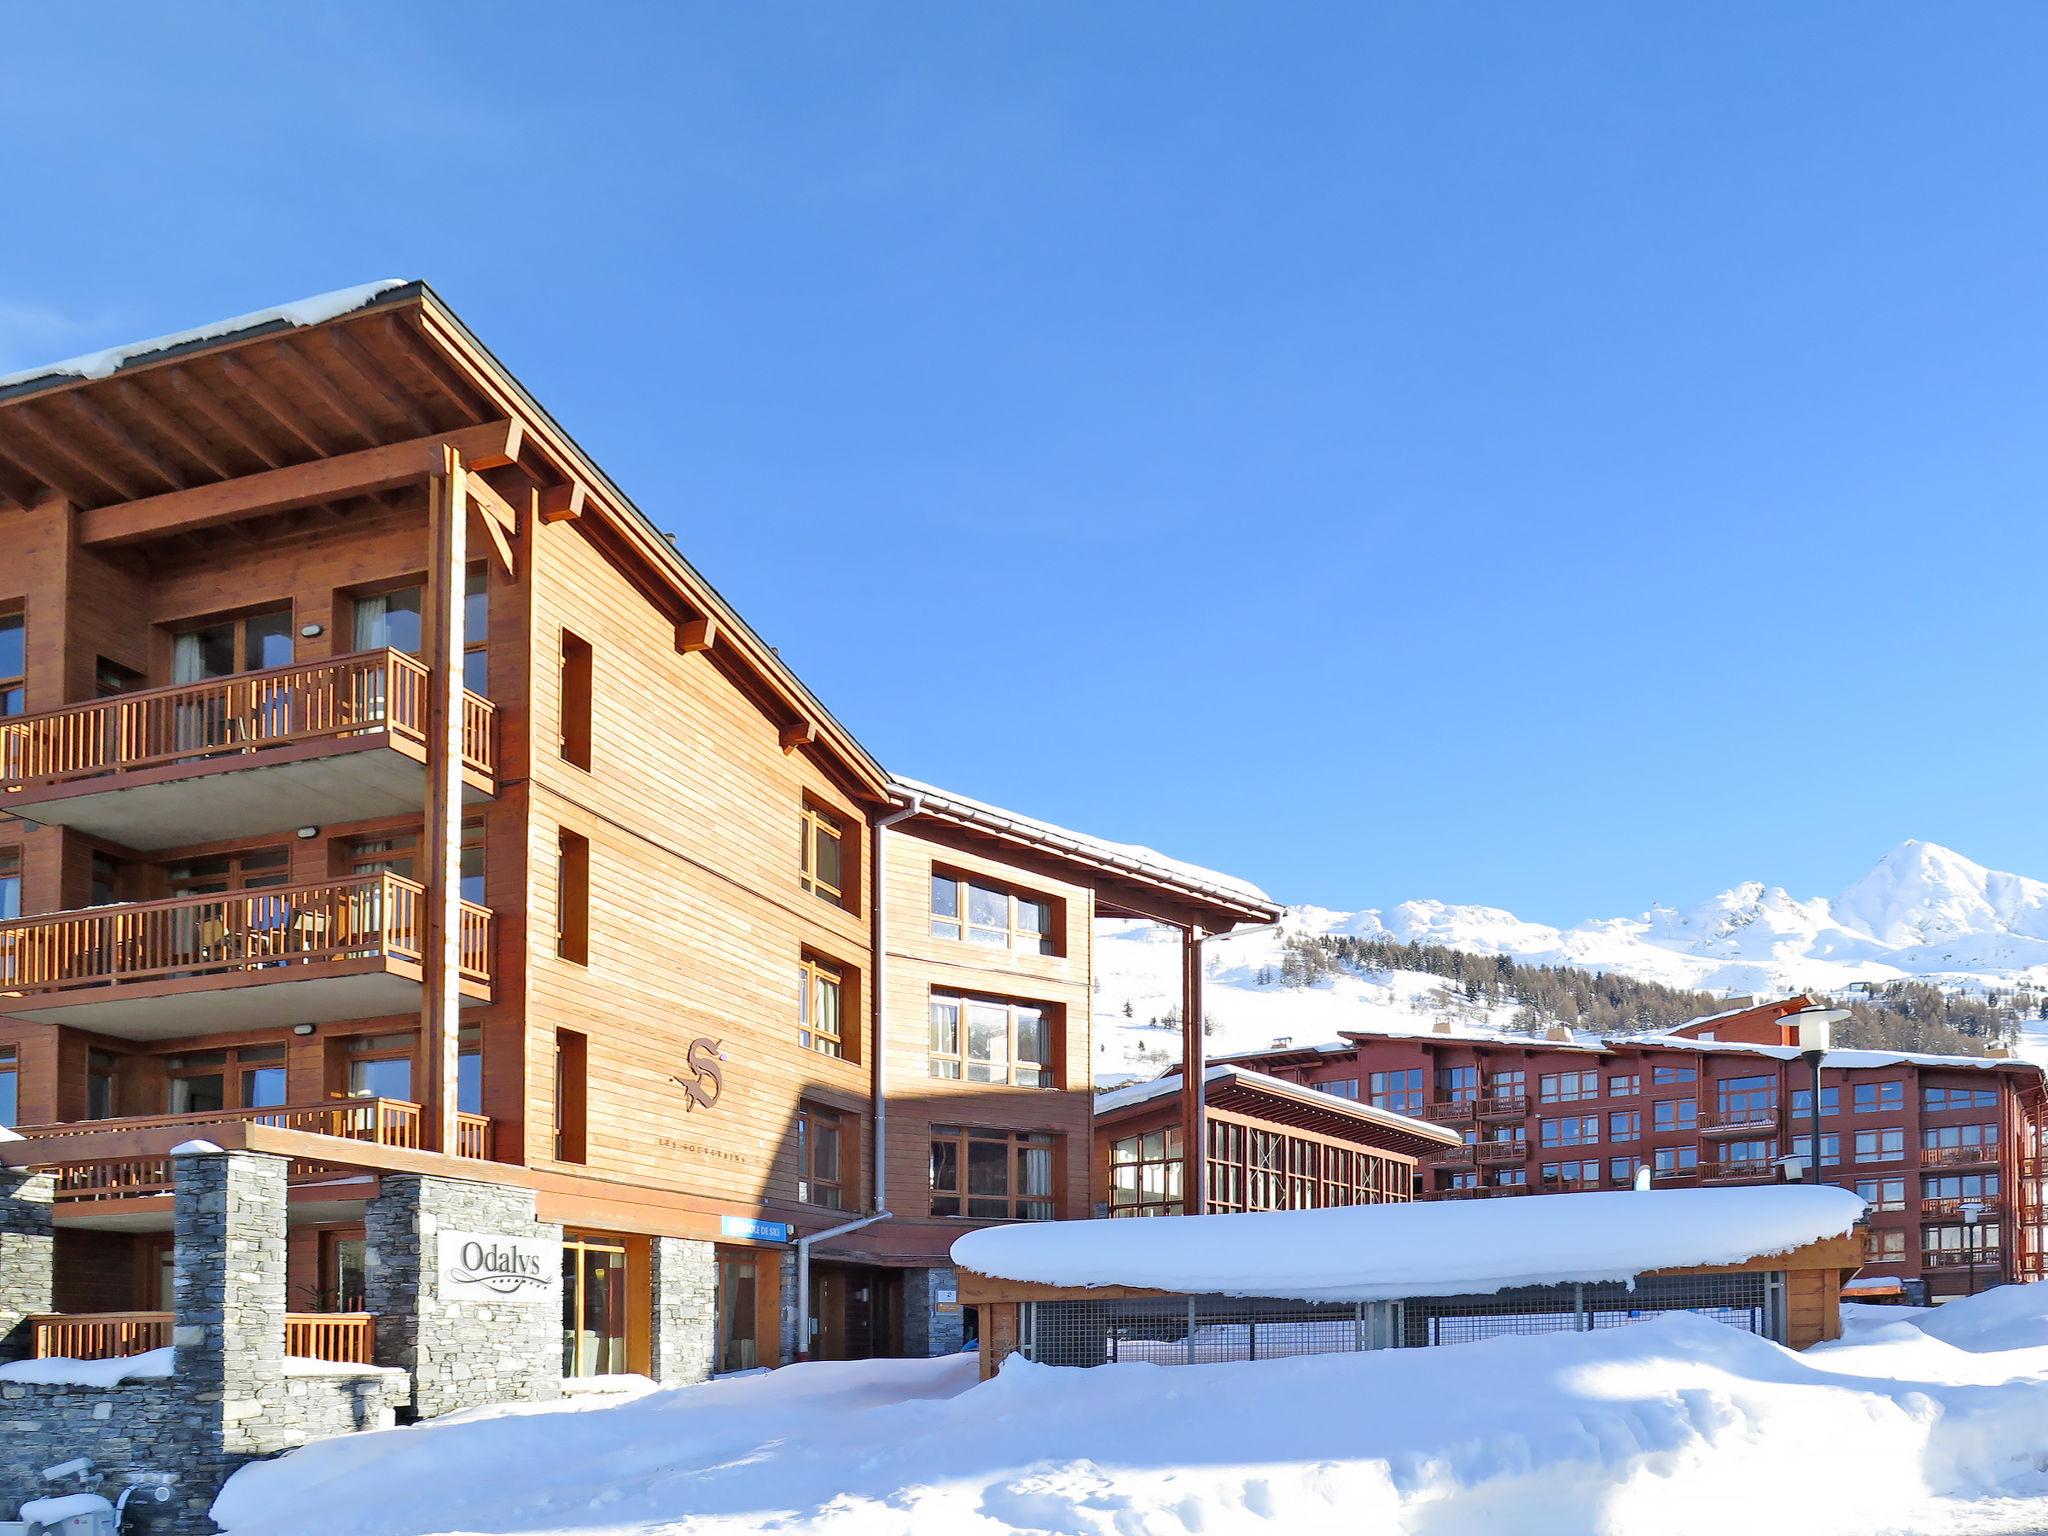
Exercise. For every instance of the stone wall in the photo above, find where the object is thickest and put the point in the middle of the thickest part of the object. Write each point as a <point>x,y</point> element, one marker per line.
<point>788,1342</point>
<point>926,1330</point>
<point>684,1276</point>
<point>229,1269</point>
<point>27,1257</point>
<point>461,1353</point>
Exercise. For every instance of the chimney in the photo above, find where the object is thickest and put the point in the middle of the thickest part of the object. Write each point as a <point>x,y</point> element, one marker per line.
<point>1441,1027</point>
<point>1558,1032</point>
<point>2001,1052</point>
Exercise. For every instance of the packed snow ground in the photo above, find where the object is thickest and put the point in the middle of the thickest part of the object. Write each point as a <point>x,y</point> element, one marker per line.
<point>1920,1422</point>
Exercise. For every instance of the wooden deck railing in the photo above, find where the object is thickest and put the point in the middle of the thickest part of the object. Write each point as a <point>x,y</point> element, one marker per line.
<point>381,1122</point>
<point>1959,1157</point>
<point>249,712</point>
<point>346,1338</point>
<point>1728,1121</point>
<point>1493,1154</point>
<point>249,930</point>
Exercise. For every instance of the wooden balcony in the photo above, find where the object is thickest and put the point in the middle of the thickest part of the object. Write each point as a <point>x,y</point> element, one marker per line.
<point>1501,1191</point>
<point>1737,1122</point>
<point>1674,1178</point>
<point>1453,1112</point>
<point>1950,1207</point>
<point>309,954</point>
<point>305,745</point>
<point>1497,1154</point>
<point>1504,1106</point>
<point>1985,1156</point>
<point>343,1338</point>
<point>379,1122</point>
<point>1742,1171</point>
<point>1943,1259</point>
<point>1453,1157</point>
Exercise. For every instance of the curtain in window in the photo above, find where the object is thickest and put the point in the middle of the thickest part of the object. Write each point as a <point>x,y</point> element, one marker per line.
<point>370,622</point>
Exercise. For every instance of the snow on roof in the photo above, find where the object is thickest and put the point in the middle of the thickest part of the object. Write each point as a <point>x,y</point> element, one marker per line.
<point>1146,862</point>
<point>8,1133</point>
<point>1430,1248</point>
<point>97,365</point>
<point>1847,1060</point>
<point>1162,1087</point>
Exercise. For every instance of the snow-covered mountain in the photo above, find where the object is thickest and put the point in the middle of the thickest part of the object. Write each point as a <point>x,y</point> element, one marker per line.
<point>1924,910</point>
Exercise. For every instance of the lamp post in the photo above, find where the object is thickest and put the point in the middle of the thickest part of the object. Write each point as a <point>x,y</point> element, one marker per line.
<point>1814,1026</point>
<point>1973,1211</point>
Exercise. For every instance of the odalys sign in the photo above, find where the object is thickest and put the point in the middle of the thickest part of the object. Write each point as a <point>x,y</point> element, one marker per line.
<point>486,1267</point>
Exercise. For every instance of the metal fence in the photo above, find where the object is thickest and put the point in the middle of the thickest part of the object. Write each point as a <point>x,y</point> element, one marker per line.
<point>1192,1330</point>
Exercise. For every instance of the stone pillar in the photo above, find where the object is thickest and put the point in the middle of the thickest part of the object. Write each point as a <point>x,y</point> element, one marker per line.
<point>229,1258</point>
<point>470,1334</point>
<point>787,1276</point>
<point>926,1330</point>
<point>685,1332</point>
<point>28,1264</point>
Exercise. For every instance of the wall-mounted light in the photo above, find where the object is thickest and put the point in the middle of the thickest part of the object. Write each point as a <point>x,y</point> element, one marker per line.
<point>307,834</point>
<point>302,1029</point>
<point>312,631</point>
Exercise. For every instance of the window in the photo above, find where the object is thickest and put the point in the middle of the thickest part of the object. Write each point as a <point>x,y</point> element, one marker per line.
<point>469,1069</point>
<point>1962,1141</point>
<point>228,646</point>
<point>1622,1170</point>
<point>1570,1131</point>
<point>577,669</point>
<point>1501,1135</point>
<point>821,860</point>
<point>1982,1187</point>
<point>1399,1091</point>
<point>399,854</point>
<point>1747,1155</point>
<point>1003,1042</point>
<point>1680,1072</point>
<point>1881,1194</point>
<point>1513,1084</point>
<point>195,1083</point>
<point>1830,1149</point>
<point>1954,1242</point>
<point>1567,1087</point>
<point>10,1091</point>
<point>1884,1247</point>
<point>1747,1100</point>
<point>1625,1125</point>
<point>395,620</point>
<point>1511,1178</point>
<point>572,1096</point>
<point>100,1084</point>
<point>1145,1174</point>
<point>572,897</point>
<point>820,991</point>
<point>992,1175</point>
<point>1938,1100</point>
<point>1578,1175</point>
<point>1875,1098</point>
<point>1456,1085</point>
<point>1802,1102</point>
<point>1674,1114</point>
<point>1340,1087</point>
<point>1625,1085</point>
<point>1886,1146</point>
<point>988,914</point>
<point>379,1066</point>
<point>261,1069</point>
<point>1668,1161</point>
<point>819,1180</point>
<point>10,883</point>
<point>13,664</point>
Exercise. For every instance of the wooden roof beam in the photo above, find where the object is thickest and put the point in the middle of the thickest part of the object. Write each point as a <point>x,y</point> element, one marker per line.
<point>18,483</point>
<point>500,522</point>
<point>369,469</point>
<point>802,734</point>
<point>57,474</point>
<point>309,373</point>
<point>167,426</point>
<point>363,363</point>
<point>224,421</point>
<point>427,357</point>
<point>257,391</point>
<point>136,451</point>
<point>693,635</point>
<point>563,503</point>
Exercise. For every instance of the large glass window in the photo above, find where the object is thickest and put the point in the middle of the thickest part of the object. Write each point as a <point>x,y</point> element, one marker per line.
<point>1938,1100</point>
<point>985,1040</point>
<point>985,913</point>
<point>1875,1098</point>
<point>1456,1085</point>
<point>992,1175</point>
<point>380,1067</point>
<point>395,620</point>
<point>13,664</point>
<point>1674,1072</point>
<point>228,646</point>
<point>1567,1087</point>
<point>1570,1130</point>
<point>1145,1174</point>
<point>10,1093</point>
<point>1400,1091</point>
<point>820,1179</point>
<point>1802,1102</point>
<point>820,990</point>
<point>1882,1194</point>
<point>593,1305</point>
<point>1506,1087</point>
<point>1747,1100</point>
<point>739,1291</point>
<point>1830,1149</point>
<point>1674,1114</point>
<point>822,855</point>
<point>1625,1125</point>
<point>1885,1146</point>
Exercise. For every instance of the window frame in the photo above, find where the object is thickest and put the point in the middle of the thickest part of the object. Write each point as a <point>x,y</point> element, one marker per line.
<point>817,1126</point>
<point>14,686</point>
<point>1145,1173</point>
<point>960,1140</point>
<point>1049,1020</point>
<point>1016,938</point>
<point>1573,1087</point>
<point>816,825</point>
<point>1887,1097</point>
<point>1406,1096</point>
<point>815,974</point>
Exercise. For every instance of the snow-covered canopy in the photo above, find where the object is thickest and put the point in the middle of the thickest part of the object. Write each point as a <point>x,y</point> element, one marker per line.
<point>1148,863</point>
<point>98,365</point>
<point>1434,1248</point>
<point>1169,1085</point>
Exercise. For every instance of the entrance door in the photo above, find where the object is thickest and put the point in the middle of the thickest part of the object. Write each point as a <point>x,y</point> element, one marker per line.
<point>593,1305</point>
<point>829,1292</point>
<point>848,1312</point>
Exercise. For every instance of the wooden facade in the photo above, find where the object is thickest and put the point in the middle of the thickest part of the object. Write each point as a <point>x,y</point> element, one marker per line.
<point>372,747</point>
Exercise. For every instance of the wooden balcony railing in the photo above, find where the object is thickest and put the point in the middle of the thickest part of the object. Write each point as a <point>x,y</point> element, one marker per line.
<point>249,930</point>
<point>1504,1106</point>
<point>1958,1258</point>
<point>1951,1206</point>
<point>1740,1171</point>
<point>1728,1122</point>
<point>1985,1156</point>
<point>381,1122</point>
<point>1453,1157</point>
<point>1493,1154</point>
<point>1674,1176</point>
<point>345,1338</point>
<point>1450,1112</point>
<point>249,712</point>
<point>1500,1191</point>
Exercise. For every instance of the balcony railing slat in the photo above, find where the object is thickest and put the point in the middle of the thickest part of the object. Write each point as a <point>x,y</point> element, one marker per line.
<point>361,694</point>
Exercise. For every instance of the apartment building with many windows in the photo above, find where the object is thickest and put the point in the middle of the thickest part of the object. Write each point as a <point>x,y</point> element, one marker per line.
<point>1721,1102</point>
<point>389,802</point>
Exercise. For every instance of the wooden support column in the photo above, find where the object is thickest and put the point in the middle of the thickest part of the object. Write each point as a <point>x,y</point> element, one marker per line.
<point>1194,1073</point>
<point>441,848</point>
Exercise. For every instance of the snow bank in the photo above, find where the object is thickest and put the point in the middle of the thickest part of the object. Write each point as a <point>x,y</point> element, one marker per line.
<point>90,1373</point>
<point>1432,1248</point>
<point>97,365</point>
<point>1678,1427</point>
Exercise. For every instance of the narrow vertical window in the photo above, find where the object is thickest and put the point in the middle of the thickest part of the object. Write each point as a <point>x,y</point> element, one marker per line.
<point>820,1179</point>
<point>576,693</point>
<point>821,866</point>
<point>572,898</point>
<point>10,1100</point>
<point>820,1006</point>
<point>13,664</point>
<point>572,1096</point>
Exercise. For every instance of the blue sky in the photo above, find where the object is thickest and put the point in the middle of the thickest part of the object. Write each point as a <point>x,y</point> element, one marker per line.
<point>1561,457</point>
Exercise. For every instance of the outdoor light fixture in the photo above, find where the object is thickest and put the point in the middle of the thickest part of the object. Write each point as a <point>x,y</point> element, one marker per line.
<point>302,1029</point>
<point>307,834</point>
<point>312,631</point>
<point>1814,1026</point>
<point>1973,1212</point>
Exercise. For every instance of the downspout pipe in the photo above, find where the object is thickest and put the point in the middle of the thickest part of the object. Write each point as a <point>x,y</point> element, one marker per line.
<point>878,1208</point>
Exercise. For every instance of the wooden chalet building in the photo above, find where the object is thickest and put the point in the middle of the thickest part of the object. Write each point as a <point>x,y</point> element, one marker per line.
<point>1719,1102</point>
<point>1273,1145</point>
<point>386,798</point>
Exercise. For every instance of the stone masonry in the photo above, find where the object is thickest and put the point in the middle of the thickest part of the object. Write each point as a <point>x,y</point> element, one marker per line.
<point>926,1330</point>
<point>27,1256</point>
<point>460,1353</point>
<point>685,1284</point>
<point>230,1270</point>
<point>786,1274</point>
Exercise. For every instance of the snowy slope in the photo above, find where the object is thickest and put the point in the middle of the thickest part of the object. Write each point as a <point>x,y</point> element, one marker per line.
<point>1923,911</point>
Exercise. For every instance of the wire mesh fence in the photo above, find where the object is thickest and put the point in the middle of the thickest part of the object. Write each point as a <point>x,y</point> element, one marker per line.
<point>1192,1330</point>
